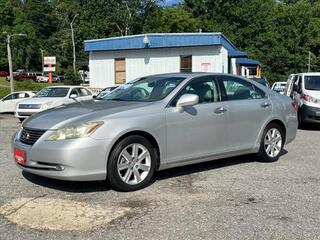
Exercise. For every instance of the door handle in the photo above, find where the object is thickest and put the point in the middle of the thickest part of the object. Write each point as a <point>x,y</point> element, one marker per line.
<point>220,110</point>
<point>265,105</point>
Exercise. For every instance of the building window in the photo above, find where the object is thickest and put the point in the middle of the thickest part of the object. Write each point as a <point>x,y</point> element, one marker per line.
<point>120,70</point>
<point>186,63</point>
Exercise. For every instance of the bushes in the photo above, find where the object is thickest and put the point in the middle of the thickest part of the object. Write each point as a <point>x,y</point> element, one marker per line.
<point>24,86</point>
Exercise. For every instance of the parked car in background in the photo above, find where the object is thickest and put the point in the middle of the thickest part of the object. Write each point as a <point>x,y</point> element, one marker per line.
<point>279,87</point>
<point>305,92</point>
<point>51,97</point>
<point>58,79</point>
<point>9,102</point>
<point>288,90</point>
<point>154,123</point>
<point>105,92</point>
<point>22,76</point>
<point>4,74</point>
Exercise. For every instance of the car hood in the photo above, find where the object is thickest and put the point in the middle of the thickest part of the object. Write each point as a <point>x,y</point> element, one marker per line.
<point>78,113</point>
<point>42,100</point>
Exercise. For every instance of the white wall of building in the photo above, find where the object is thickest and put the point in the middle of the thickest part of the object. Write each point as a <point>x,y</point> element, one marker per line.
<point>144,62</point>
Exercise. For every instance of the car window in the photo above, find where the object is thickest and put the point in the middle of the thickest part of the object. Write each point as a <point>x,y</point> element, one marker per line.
<point>238,89</point>
<point>26,95</point>
<point>205,87</point>
<point>146,89</point>
<point>84,92</point>
<point>9,97</point>
<point>74,91</point>
<point>53,92</point>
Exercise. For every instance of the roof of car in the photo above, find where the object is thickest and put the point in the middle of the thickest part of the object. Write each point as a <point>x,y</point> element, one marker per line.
<point>309,73</point>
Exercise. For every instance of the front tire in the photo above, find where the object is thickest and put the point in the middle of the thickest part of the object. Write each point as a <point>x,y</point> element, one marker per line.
<point>271,144</point>
<point>131,164</point>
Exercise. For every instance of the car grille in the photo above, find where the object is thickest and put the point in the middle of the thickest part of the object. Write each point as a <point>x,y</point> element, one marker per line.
<point>25,114</point>
<point>29,106</point>
<point>30,136</point>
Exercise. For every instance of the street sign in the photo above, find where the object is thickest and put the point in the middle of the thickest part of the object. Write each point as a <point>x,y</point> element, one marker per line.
<point>49,69</point>
<point>49,60</point>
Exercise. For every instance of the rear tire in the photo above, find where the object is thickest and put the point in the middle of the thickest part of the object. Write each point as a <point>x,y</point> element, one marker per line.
<point>131,164</point>
<point>271,144</point>
<point>300,120</point>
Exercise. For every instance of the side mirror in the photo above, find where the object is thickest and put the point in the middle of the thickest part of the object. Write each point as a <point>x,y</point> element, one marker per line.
<point>188,100</point>
<point>73,96</point>
<point>94,96</point>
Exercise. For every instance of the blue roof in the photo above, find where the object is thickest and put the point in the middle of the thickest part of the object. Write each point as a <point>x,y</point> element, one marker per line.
<point>247,61</point>
<point>163,40</point>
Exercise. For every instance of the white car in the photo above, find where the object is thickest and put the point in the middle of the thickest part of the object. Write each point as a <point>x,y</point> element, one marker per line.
<point>9,102</point>
<point>50,97</point>
<point>279,87</point>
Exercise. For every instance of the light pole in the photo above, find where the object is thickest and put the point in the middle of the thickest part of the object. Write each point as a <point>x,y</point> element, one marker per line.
<point>8,40</point>
<point>42,51</point>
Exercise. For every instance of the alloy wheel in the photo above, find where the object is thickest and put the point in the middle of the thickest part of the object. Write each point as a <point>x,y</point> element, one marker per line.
<point>273,142</point>
<point>134,163</point>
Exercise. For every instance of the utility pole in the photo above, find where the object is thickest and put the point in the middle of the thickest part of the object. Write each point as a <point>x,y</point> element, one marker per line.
<point>73,44</point>
<point>8,40</point>
<point>42,59</point>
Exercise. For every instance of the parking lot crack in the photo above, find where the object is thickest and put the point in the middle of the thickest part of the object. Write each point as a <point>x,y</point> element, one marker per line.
<point>24,204</point>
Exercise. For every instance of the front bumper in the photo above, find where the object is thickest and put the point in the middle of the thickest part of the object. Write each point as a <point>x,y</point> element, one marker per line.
<point>25,113</point>
<point>83,159</point>
<point>310,114</point>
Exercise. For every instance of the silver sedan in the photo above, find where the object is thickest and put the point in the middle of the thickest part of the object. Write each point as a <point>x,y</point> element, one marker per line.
<point>154,123</point>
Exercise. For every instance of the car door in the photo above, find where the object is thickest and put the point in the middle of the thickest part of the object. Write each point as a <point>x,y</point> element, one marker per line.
<point>247,109</point>
<point>18,98</point>
<point>199,130</point>
<point>8,103</point>
<point>84,94</point>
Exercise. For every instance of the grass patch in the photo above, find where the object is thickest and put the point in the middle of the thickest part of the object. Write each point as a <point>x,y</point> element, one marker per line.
<point>23,86</point>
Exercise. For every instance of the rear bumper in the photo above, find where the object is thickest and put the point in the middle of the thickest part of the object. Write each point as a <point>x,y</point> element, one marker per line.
<point>310,114</point>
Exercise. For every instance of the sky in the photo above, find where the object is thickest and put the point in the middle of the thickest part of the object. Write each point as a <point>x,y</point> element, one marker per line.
<point>170,2</point>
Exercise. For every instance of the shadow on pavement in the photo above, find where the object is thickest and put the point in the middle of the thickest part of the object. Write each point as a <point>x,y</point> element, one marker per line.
<point>207,166</point>
<point>310,127</point>
<point>67,186</point>
<point>98,186</point>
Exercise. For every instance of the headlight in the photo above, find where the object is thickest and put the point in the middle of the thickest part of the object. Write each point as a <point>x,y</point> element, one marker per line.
<point>72,132</point>
<point>47,105</point>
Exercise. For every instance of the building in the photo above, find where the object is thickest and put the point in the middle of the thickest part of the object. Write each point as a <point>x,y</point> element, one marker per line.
<point>114,61</point>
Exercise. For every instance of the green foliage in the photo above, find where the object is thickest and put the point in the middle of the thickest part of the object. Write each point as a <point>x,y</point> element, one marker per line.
<point>277,33</point>
<point>22,86</point>
<point>71,78</point>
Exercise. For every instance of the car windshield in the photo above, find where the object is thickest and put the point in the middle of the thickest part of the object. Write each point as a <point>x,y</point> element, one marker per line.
<point>312,82</point>
<point>147,89</point>
<point>53,92</point>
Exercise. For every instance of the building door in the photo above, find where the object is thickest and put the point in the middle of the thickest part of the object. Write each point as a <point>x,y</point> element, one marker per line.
<point>186,63</point>
<point>120,70</point>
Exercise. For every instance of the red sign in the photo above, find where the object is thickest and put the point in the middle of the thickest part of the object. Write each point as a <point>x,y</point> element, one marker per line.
<point>19,156</point>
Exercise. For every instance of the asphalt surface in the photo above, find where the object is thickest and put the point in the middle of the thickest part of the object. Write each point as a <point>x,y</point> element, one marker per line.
<point>235,198</point>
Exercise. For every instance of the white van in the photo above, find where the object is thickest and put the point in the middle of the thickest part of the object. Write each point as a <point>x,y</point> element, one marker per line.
<point>304,89</point>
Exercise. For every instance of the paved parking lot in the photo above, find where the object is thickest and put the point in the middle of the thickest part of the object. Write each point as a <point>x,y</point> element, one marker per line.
<point>235,198</point>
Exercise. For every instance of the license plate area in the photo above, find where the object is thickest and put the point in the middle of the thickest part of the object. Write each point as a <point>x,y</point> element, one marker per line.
<point>20,156</point>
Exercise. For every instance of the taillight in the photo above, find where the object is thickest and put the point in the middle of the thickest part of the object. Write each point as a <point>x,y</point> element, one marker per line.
<point>304,97</point>
<point>294,105</point>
